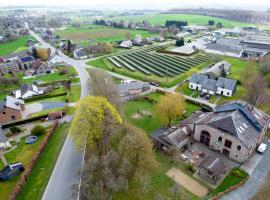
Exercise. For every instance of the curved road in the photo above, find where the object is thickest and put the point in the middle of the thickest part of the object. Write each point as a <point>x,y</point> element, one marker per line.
<point>68,166</point>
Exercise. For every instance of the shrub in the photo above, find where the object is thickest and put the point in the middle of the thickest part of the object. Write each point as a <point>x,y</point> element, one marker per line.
<point>15,130</point>
<point>190,167</point>
<point>38,130</point>
<point>63,71</point>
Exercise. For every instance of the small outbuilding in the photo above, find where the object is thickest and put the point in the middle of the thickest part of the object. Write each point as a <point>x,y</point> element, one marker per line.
<point>213,168</point>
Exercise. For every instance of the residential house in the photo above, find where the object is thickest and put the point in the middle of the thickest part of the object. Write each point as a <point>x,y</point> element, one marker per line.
<point>27,91</point>
<point>234,129</point>
<point>132,88</point>
<point>11,109</point>
<point>225,86</point>
<point>80,53</point>
<point>126,44</point>
<point>219,69</point>
<point>221,86</point>
<point>30,43</point>
<point>39,68</point>
<point>26,62</point>
<point>9,67</point>
<point>56,60</point>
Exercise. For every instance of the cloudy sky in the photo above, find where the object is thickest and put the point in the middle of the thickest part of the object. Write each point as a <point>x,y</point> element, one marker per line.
<point>140,4</point>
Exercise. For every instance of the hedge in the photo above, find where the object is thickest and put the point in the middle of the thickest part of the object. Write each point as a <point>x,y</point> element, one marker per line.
<point>24,121</point>
<point>45,96</point>
<point>19,186</point>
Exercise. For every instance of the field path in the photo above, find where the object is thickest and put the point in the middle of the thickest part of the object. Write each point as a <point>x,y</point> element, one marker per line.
<point>187,182</point>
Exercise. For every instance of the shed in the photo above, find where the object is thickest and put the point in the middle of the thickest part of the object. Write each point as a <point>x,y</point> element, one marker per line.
<point>55,115</point>
<point>212,167</point>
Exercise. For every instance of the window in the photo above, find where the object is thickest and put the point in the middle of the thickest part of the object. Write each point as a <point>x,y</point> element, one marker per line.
<point>4,112</point>
<point>228,144</point>
<point>228,93</point>
<point>220,139</point>
<point>239,147</point>
<point>13,117</point>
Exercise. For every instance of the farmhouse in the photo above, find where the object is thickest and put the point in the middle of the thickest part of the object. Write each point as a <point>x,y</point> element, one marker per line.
<point>9,67</point>
<point>11,109</point>
<point>234,129</point>
<point>221,86</point>
<point>27,91</point>
<point>132,88</point>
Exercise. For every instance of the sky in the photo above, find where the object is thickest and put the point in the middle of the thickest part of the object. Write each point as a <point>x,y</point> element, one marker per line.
<point>143,4</point>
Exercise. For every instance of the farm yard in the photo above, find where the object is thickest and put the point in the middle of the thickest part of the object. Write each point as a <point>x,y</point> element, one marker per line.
<point>146,64</point>
<point>99,34</point>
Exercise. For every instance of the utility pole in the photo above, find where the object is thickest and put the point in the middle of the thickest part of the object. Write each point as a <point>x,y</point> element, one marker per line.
<point>167,74</point>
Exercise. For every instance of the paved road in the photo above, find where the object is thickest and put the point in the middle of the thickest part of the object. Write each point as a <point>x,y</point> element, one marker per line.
<point>257,178</point>
<point>68,166</point>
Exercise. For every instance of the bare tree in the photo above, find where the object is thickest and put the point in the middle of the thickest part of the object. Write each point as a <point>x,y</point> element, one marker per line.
<point>102,84</point>
<point>256,88</point>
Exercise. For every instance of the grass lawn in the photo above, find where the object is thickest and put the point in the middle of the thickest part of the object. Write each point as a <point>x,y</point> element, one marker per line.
<point>100,34</point>
<point>24,154</point>
<point>149,124</point>
<point>191,19</point>
<point>159,183</point>
<point>106,65</point>
<point>234,177</point>
<point>14,46</point>
<point>184,89</point>
<point>38,180</point>
<point>68,110</point>
<point>75,94</point>
<point>50,77</point>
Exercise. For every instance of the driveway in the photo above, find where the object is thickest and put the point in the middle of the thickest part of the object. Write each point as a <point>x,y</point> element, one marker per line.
<point>31,108</point>
<point>257,178</point>
<point>187,182</point>
<point>51,105</point>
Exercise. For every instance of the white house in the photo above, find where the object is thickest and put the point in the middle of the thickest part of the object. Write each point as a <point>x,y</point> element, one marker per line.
<point>221,86</point>
<point>80,53</point>
<point>27,91</point>
<point>126,44</point>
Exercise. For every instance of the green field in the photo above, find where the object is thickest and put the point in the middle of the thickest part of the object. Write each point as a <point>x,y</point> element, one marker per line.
<point>99,34</point>
<point>14,46</point>
<point>191,19</point>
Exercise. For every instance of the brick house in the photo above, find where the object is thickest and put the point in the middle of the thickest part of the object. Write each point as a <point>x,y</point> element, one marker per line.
<point>11,109</point>
<point>234,129</point>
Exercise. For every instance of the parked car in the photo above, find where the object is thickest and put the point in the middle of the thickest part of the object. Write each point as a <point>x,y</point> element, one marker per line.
<point>154,84</point>
<point>262,148</point>
<point>202,94</point>
<point>208,96</point>
<point>10,171</point>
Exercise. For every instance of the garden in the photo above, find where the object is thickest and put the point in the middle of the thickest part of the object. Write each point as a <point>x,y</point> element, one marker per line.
<point>24,153</point>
